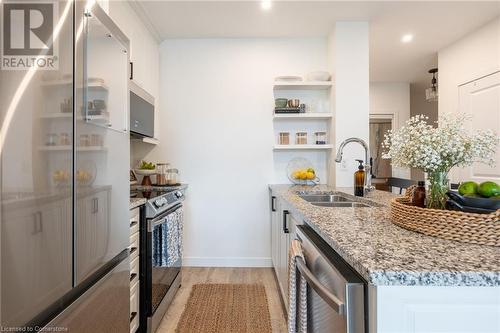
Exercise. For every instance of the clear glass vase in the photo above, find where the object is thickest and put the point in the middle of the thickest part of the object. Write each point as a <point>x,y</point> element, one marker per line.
<point>438,186</point>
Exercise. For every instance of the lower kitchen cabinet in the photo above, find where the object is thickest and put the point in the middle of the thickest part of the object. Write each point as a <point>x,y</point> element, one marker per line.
<point>283,225</point>
<point>40,234</point>
<point>135,220</point>
<point>92,231</point>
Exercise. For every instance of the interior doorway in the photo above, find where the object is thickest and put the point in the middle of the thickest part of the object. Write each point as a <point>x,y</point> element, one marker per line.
<point>381,168</point>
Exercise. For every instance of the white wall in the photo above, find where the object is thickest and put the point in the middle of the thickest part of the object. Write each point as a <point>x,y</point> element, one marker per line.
<point>351,94</point>
<point>392,98</point>
<point>217,128</point>
<point>473,56</point>
<point>420,105</point>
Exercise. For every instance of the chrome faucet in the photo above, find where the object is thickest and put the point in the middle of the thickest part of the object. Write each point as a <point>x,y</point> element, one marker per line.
<point>338,159</point>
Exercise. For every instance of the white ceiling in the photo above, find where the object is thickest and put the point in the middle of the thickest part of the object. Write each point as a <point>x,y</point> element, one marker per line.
<point>434,25</point>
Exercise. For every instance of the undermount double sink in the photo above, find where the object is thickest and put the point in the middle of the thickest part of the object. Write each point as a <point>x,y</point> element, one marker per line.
<point>333,200</point>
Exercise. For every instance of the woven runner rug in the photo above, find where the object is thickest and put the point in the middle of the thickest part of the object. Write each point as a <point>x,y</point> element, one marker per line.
<point>226,308</point>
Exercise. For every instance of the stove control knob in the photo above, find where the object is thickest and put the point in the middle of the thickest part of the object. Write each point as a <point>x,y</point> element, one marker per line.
<point>164,201</point>
<point>178,194</point>
<point>159,202</point>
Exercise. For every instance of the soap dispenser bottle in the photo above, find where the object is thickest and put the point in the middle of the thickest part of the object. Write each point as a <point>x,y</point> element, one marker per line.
<point>359,180</point>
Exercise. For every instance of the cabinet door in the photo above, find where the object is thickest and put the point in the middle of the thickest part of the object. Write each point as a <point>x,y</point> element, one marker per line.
<point>19,265</point>
<point>92,232</point>
<point>36,259</point>
<point>85,225</point>
<point>274,231</point>
<point>293,223</point>
<point>54,249</point>
<point>284,248</point>
<point>101,202</point>
<point>276,239</point>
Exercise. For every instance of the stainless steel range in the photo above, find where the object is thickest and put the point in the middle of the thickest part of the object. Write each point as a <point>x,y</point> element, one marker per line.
<point>161,253</point>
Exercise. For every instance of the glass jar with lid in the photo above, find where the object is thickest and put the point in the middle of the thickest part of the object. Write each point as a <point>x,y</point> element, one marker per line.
<point>162,173</point>
<point>320,138</point>
<point>52,139</point>
<point>301,138</point>
<point>172,177</point>
<point>284,138</point>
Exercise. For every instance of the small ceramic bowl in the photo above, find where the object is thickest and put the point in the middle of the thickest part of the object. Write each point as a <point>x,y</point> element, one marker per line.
<point>319,76</point>
<point>280,102</point>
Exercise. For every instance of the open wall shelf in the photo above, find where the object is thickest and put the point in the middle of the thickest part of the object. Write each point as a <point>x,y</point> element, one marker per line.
<point>303,85</point>
<point>303,147</point>
<point>303,116</point>
<point>317,97</point>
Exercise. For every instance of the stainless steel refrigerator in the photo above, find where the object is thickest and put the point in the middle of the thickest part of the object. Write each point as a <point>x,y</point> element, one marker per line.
<point>64,150</point>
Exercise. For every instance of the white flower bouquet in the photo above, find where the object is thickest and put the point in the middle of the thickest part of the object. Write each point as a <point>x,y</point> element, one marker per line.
<point>436,150</point>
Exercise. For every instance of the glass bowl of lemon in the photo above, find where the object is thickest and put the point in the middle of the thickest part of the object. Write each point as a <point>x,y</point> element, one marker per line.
<point>300,171</point>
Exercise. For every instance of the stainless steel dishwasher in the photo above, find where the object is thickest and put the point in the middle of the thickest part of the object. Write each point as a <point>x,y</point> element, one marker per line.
<point>336,293</point>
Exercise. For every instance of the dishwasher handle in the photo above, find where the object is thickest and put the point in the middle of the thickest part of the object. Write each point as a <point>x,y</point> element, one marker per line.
<point>320,289</point>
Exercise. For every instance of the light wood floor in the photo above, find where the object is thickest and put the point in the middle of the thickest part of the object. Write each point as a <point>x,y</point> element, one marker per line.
<point>193,275</point>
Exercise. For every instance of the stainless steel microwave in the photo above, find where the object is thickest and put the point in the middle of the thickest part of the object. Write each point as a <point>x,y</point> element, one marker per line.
<point>142,112</point>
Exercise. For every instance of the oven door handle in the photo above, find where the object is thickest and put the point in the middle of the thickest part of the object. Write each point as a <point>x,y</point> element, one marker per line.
<point>161,219</point>
<point>320,289</point>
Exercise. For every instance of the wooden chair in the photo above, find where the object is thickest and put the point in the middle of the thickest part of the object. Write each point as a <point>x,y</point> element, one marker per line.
<point>400,183</point>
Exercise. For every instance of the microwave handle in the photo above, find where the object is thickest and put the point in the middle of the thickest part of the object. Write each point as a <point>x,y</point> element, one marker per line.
<point>320,289</point>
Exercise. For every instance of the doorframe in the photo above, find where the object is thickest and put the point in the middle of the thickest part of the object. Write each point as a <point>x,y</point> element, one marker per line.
<point>387,115</point>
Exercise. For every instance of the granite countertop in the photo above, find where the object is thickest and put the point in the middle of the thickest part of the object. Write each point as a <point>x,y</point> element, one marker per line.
<point>157,187</point>
<point>385,254</point>
<point>136,202</point>
<point>22,200</point>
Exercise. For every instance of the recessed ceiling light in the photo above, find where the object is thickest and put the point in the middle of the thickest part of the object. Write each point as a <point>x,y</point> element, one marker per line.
<point>407,38</point>
<point>265,4</point>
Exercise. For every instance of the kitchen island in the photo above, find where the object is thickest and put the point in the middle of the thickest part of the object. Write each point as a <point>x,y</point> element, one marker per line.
<point>416,283</point>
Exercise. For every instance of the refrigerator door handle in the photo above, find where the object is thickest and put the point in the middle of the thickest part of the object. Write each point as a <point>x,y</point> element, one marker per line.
<point>40,222</point>
<point>87,14</point>
<point>35,223</point>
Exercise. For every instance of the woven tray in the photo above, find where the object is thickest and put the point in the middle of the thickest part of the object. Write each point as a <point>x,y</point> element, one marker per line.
<point>459,226</point>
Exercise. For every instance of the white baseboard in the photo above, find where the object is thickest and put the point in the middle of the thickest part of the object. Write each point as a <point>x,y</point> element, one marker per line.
<point>227,262</point>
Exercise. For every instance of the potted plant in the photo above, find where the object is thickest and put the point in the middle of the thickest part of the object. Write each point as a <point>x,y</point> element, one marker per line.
<point>436,150</point>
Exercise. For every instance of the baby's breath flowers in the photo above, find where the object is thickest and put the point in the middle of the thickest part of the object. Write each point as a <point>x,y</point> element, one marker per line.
<point>436,150</point>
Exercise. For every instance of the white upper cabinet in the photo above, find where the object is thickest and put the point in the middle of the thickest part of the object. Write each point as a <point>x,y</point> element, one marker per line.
<point>144,50</point>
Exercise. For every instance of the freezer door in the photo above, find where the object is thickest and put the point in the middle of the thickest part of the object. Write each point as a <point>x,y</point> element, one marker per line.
<point>102,150</point>
<point>105,307</point>
<point>36,130</point>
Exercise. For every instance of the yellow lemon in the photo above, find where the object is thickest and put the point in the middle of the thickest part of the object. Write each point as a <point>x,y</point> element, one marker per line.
<point>296,175</point>
<point>310,175</point>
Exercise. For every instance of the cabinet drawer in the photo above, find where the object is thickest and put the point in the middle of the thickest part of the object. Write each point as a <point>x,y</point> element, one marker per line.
<point>134,322</point>
<point>134,271</point>
<point>134,246</point>
<point>134,213</point>
<point>134,308</point>
<point>134,221</point>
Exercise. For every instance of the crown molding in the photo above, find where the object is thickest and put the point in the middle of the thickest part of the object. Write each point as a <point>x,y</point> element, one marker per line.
<point>138,8</point>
